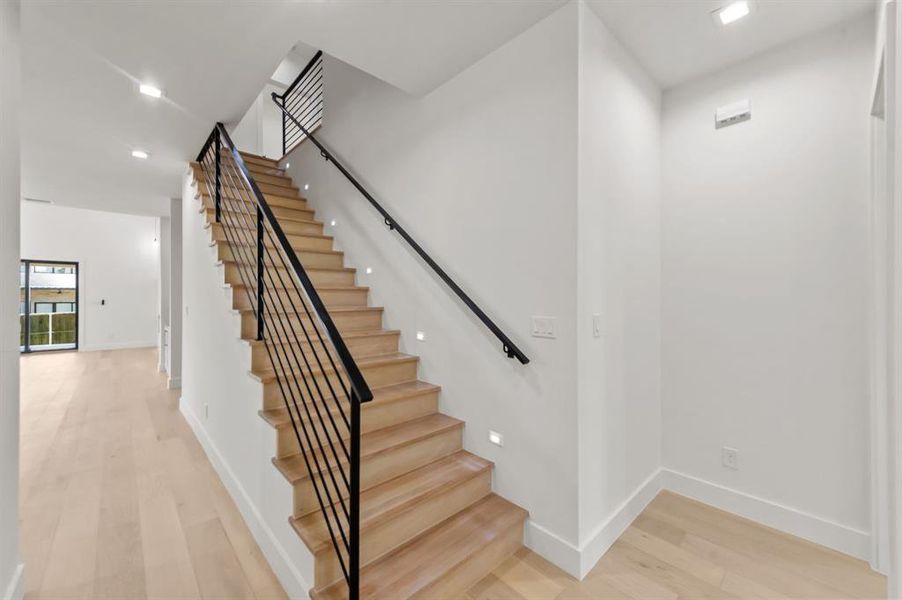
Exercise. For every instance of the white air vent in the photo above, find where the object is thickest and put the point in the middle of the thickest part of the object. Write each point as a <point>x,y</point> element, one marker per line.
<point>737,112</point>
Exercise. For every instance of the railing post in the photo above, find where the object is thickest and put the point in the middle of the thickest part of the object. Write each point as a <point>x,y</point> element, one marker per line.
<point>354,520</point>
<point>260,302</point>
<point>218,185</point>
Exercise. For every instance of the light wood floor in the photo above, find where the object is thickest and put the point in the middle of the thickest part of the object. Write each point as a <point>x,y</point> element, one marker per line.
<point>119,501</point>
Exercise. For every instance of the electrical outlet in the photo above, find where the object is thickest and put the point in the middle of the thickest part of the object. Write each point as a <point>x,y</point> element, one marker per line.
<point>729,457</point>
<point>543,327</point>
<point>596,325</point>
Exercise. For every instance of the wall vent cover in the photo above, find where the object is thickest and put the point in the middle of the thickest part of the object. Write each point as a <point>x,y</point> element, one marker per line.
<point>733,113</point>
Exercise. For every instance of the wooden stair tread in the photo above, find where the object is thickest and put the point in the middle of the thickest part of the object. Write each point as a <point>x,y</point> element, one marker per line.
<point>375,360</point>
<point>253,227</point>
<point>387,499</point>
<point>294,469</point>
<point>353,333</point>
<point>381,395</point>
<point>412,567</point>
<point>338,269</point>
<point>212,211</point>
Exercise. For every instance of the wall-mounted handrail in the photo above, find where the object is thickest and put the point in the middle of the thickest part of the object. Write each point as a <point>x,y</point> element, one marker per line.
<point>508,346</point>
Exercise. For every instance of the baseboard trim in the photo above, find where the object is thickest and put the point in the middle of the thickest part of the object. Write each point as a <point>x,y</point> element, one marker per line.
<point>604,536</point>
<point>291,579</point>
<point>15,590</point>
<point>174,383</point>
<point>795,522</point>
<point>579,560</point>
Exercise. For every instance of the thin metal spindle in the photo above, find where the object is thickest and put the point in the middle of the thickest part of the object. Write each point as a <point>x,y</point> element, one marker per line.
<point>354,519</point>
<point>218,183</point>
<point>260,303</point>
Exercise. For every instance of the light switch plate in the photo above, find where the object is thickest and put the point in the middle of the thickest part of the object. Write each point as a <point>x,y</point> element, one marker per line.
<point>596,325</point>
<point>543,327</point>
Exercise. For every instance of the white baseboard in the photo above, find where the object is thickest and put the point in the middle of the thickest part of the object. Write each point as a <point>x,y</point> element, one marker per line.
<point>15,590</point>
<point>579,560</point>
<point>815,529</point>
<point>291,579</point>
<point>117,346</point>
<point>175,383</point>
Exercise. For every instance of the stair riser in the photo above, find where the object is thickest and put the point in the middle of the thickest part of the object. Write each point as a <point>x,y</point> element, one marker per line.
<point>391,533</point>
<point>290,208</point>
<point>387,465</point>
<point>332,299</point>
<point>475,567</point>
<point>374,416</point>
<point>263,162</point>
<point>344,321</point>
<point>288,226</point>
<point>298,242</point>
<point>262,176</point>
<point>324,278</point>
<point>375,376</point>
<point>358,346</point>
<point>310,260</point>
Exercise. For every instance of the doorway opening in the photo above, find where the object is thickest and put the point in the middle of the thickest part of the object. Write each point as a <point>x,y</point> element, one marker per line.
<point>48,305</point>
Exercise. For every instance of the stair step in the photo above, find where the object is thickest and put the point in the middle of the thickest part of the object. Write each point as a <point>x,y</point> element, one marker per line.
<point>348,296</point>
<point>257,158</point>
<point>318,275</point>
<point>290,225</point>
<point>384,454</point>
<point>377,371</point>
<point>287,321</point>
<point>398,510</point>
<point>280,205</point>
<point>310,259</point>
<point>231,180</point>
<point>247,233</point>
<point>445,560</point>
<point>360,343</point>
<point>394,359</point>
<point>390,406</point>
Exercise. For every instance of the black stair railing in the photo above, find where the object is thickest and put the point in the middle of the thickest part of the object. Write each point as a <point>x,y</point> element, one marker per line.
<point>298,124</point>
<point>319,382</point>
<point>304,99</point>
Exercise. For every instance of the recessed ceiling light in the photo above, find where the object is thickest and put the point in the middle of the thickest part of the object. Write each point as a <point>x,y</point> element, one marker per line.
<point>139,154</point>
<point>733,12</point>
<point>150,90</point>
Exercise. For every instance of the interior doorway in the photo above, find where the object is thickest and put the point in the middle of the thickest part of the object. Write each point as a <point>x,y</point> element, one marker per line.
<point>48,305</point>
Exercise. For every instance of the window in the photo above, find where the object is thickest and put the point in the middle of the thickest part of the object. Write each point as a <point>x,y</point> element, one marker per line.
<point>64,307</point>
<point>43,307</point>
<point>53,269</point>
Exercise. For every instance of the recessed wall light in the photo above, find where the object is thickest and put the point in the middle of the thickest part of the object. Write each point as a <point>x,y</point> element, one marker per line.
<point>421,336</point>
<point>333,222</point>
<point>369,270</point>
<point>306,186</point>
<point>733,12</point>
<point>150,90</point>
<point>139,154</point>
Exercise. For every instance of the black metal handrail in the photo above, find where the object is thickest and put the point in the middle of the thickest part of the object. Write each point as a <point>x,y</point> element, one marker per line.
<point>305,97</point>
<point>508,346</point>
<point>319,381</point>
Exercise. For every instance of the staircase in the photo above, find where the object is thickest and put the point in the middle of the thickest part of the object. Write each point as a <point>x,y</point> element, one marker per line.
<point>429,524</point>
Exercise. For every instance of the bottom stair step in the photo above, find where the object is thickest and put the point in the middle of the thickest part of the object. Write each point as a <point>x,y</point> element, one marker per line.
<point>445,560</point>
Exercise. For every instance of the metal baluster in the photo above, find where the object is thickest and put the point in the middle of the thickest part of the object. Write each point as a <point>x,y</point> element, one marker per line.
<point>354,520</point>
<point>218,184</point>
<point>260,303</point>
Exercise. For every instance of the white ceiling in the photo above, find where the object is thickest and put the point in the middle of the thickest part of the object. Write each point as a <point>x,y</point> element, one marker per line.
<point>677,40</point>
<point>81,62</point>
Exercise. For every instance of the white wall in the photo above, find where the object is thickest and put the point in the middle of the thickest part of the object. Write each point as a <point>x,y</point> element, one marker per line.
<point>118,262</point>
<point>260,129</point>
<point>764,287</point>
<point>220,401</point>
<point>619,279</point>
<point>482,171</point>
<point>11,581</point>
<point>164,227</point>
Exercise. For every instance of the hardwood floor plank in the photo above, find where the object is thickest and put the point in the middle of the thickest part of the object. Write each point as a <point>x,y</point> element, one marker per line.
<point>118,499</point>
